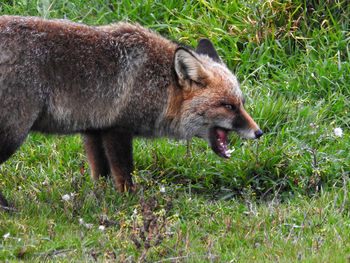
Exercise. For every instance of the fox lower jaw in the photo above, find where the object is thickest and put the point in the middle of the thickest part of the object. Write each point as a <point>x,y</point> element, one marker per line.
<point>217,139</point>
<point>216,136</point>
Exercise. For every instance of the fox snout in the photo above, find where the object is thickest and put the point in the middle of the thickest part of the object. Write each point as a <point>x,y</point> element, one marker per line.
<point>258,133</point>
<point>251,134</point>
<point>246,127</point>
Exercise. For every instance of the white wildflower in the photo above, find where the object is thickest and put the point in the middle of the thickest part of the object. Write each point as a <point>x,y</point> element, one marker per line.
<point>162,189</point>
<point>6,236</point>
<point>338,132</point>
<point>67,197</point>
<point>101,228</point>
<point>45,183</point>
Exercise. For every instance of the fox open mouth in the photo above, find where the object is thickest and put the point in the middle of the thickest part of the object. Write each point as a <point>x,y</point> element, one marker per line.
<point>219,142</point>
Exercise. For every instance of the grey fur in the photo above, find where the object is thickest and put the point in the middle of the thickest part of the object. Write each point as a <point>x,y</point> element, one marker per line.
<point>57,76</point>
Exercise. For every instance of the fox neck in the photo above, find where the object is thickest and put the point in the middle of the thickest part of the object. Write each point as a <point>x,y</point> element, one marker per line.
<point>170,123</point>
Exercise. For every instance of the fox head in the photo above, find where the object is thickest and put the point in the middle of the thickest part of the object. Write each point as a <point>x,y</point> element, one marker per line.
<point>213,103</point>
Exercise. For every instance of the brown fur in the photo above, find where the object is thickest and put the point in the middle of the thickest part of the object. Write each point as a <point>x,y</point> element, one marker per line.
<point>112,83</point>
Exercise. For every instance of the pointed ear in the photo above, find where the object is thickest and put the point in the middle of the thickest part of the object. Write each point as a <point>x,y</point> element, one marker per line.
<point>205,47</point>
<point>188,67</point>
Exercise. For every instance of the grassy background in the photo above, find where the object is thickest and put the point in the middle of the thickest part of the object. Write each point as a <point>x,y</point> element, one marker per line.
<point>283,198</point>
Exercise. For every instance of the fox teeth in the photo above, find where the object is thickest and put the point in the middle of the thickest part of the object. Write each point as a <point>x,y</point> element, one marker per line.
<point>228,152</point>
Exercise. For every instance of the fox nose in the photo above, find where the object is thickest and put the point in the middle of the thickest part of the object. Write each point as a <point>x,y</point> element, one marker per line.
<point>258,133</point>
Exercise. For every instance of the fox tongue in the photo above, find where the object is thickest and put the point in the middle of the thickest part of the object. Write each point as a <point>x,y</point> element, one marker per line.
<point>221,138</point>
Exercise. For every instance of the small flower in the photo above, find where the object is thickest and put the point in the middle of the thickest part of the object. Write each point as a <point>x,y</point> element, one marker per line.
<point>67,197</point>
<point>162,189</point>
<point>6,236</point>
<point>45,183</point>
<point>338,132</point>
<point>101,228</point>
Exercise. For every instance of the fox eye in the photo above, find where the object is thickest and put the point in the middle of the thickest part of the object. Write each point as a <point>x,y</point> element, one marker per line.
<point>230,107</point>
<point>199,84</point>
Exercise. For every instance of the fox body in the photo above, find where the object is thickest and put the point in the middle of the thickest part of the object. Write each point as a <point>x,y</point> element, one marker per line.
<point>112,83</point>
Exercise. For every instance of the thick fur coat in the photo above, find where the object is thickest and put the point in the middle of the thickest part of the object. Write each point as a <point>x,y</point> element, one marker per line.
<point>112,83</point>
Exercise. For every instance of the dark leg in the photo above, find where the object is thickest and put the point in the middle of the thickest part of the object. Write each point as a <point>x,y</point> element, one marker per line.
<point>19,108</point>
<point>7,147</point>
<point>118,147</point>
<point>3,200</point>
<point>96,156</point>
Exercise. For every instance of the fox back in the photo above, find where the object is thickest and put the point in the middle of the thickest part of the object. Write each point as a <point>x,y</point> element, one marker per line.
<point>83,77</point>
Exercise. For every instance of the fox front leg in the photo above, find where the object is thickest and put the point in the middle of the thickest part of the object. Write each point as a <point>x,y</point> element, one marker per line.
<point>96,155</point>
<point>118,149</point>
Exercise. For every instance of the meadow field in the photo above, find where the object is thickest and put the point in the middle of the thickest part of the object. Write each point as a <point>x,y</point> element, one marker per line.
<point>282,198</point>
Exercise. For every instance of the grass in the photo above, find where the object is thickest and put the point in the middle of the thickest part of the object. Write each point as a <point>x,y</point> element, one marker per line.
<point>284,198</point>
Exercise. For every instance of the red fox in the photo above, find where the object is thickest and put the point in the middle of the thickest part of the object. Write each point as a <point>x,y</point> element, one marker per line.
<point>111,84</point>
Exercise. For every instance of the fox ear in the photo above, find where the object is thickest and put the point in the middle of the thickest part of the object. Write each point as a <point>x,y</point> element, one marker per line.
<point>188,67</point>
<point>206,47</point>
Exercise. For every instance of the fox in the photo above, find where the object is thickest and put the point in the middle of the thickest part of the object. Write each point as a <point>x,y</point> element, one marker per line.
<point>113,83</point>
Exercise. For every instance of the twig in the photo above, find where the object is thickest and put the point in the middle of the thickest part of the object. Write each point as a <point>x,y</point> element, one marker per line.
<point>53,253</point>
<point>279,189</point>
<point>345,191</point>
<point>51,5</point>
<point>305,217</point>
<point>228,229</point>
<point>187,239</point>
<point>293,225</point>
<point>272,187</point>
<point>188,150</point>
<point>185,257</point>
<point>8,209</point>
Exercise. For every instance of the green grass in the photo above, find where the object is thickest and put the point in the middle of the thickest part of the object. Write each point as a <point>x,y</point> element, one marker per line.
<point>284,198</point>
